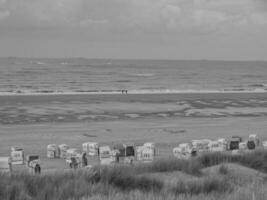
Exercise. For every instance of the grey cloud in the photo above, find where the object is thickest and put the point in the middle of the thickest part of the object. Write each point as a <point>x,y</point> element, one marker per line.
<point>133,15</point>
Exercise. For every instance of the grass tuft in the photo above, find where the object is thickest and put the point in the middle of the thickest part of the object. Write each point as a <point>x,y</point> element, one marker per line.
<point>203,186</point>
<point>223,170</point>
<point>254,159</point>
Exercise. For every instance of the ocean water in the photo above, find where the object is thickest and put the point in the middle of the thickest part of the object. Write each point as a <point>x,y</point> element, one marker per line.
<point>78,75</point>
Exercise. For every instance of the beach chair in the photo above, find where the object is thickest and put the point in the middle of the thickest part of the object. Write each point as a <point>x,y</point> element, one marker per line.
<point>126,152</point>
<point>147,155</point>
<point>251,145</point>
<point>63,150</point>
<point>30,158</point>
<point>138,152</point>
<point>201,146</point>
<point>5,165</point>
<point>34,165</point>
<point>184,151</point>
<point>71,154</point>
<point>52,151</point>
<point>17,156</point>
<point>216,146</point>
<point>255,139</point>
<point>91,148</point>
<point>151,145</point>
<point>105,155</point>
<point>234,143</point>
<point>223,143</point>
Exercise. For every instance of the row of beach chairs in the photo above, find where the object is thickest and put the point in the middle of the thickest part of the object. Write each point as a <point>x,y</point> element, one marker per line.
<point>235,144</point>
<point>128,153</point>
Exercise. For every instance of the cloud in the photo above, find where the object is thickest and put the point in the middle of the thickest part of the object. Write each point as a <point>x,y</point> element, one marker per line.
<point>134,15</point>
<point>4,14</point>
<point>41,12</point>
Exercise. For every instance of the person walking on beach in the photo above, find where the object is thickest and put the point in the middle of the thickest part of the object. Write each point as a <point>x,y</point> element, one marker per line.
<point>37,169</point>
<point>74,163</point>
<point>84,160</point>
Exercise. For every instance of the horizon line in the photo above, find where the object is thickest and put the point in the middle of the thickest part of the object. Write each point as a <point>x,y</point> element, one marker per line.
<point>143,59</point>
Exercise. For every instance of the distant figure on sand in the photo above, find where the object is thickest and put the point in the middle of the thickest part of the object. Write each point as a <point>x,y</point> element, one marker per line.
<point>124,91</point>
<point>73,163</point>
<point>37,169</point>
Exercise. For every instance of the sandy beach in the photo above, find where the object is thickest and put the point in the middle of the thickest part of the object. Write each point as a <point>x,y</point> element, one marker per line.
<point>32,122</point>
<point>27,109</point>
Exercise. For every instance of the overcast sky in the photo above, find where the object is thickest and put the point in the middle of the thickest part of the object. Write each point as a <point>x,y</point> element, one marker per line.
<point>167,29</point>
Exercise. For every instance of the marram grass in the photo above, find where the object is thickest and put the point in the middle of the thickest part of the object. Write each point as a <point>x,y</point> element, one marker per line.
<point>132,182</point>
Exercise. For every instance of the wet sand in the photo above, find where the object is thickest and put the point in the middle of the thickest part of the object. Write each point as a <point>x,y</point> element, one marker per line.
<point>32,122</point>
<point>90,108</point>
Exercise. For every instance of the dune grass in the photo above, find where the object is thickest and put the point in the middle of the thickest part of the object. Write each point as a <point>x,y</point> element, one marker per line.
<point>119,182</point>
<point>255,159</point>
<point>206,185</point>
<point>192,167</point>
<point>244,193</point>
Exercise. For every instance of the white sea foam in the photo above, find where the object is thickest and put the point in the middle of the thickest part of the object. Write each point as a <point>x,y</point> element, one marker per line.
<point>37,62</point>
<point>155,91</point>
<point>143,75</point>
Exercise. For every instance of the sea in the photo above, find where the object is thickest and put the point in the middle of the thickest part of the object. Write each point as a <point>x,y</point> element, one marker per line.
<point>78,75</point>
